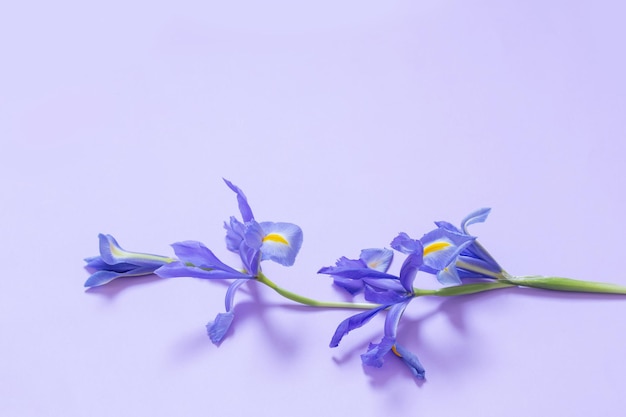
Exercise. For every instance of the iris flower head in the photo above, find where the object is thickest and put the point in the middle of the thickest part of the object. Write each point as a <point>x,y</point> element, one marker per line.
<point>253,241</point>
<point>393,293</point>
<point>115,262</point>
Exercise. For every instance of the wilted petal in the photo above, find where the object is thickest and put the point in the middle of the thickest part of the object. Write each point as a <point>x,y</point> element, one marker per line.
<point>281,242</point>
<point>217,329</point>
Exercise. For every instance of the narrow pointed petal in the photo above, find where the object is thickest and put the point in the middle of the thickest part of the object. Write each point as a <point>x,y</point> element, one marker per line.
<point>378,259</point>
<point>244,207</point>
<point>353,322</point>
<point>217,328</point>
<point>281,242</point>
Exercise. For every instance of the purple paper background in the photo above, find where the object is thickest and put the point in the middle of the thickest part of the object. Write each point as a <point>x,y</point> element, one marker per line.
<point>355,120</point>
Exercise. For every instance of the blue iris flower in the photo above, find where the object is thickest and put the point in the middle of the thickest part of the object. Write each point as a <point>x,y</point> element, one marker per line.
<point>474,261</point>
<point>115,262</point>
<point>391,292</point>
<point>253,241</point>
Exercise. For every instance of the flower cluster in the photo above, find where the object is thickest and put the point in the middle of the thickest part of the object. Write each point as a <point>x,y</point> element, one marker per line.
<point>458,261</point>
<point>447,252</point>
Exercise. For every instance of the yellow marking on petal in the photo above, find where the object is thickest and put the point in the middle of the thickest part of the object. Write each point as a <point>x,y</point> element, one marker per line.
<point>373,264</point>
<point>275,237</point>
<point>434,247</point>
<point>393,348</point>
<point>117,252</point>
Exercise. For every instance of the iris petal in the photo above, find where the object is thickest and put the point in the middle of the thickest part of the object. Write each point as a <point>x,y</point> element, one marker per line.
<point>411,361</point>
<point>403,243</point>
<point>477,216</point>
<point>112,253</point>
<point>179,269</point>
<point>376,352</point>
<point>378,259</point>
<point>281,242</point>
<point>244,207</point>
<point>353,322</point>
<point>217,328</point>
<point>199,255</point>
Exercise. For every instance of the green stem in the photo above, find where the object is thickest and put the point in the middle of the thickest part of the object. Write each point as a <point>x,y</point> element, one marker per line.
<point>480,270</point>
<point>309,301</point>
<point>463,289</point>
<point>566,284</point>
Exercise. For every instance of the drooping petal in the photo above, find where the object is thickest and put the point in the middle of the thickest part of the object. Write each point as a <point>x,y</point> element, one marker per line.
<point>410,360</point>
<point>353,322</point>
<point>378,259</point>
<point>244,207</point>
<point>217,328</point>
<point>281,242</point>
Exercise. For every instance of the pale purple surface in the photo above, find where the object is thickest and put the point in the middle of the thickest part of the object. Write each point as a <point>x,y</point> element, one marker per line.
<point>354,120</point>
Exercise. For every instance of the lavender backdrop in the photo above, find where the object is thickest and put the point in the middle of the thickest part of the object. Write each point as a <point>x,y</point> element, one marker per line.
<point>355,120</point>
